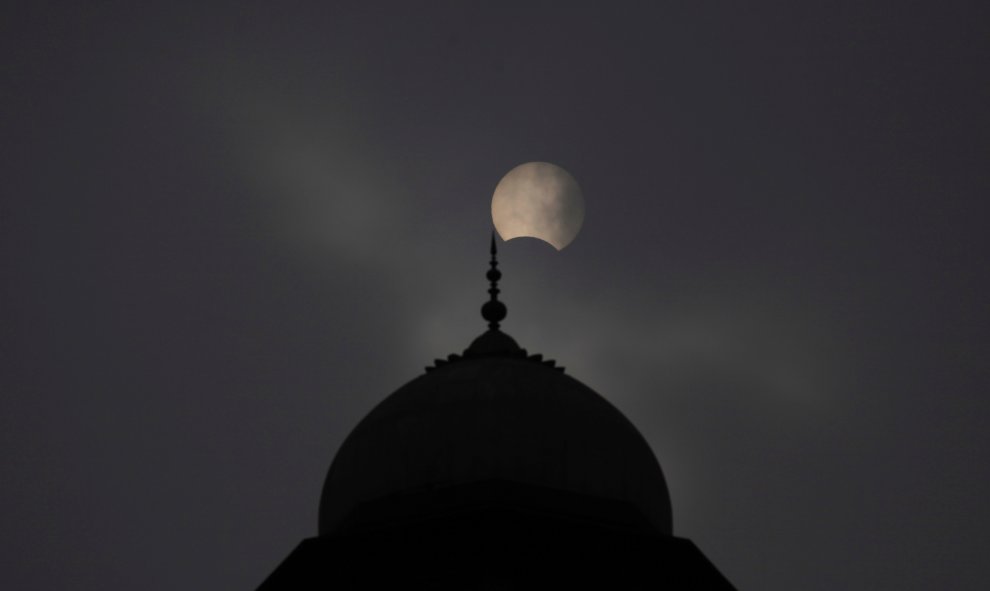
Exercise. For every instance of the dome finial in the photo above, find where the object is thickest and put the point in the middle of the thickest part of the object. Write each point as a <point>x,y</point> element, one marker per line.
<point>493,310</point>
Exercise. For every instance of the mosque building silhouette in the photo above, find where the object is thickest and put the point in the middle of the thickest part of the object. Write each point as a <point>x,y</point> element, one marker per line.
<point>495,470</point>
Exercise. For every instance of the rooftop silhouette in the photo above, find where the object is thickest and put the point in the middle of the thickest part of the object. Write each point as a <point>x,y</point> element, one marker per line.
<point>495,469</point>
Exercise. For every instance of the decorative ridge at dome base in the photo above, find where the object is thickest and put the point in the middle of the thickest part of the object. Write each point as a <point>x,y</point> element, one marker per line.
<point>429,509</point>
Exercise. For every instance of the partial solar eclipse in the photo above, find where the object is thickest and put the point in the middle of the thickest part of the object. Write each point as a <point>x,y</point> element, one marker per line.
<point>538,200</point>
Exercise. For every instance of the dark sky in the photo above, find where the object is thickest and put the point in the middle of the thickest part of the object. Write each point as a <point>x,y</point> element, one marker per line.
<point>227,231</point>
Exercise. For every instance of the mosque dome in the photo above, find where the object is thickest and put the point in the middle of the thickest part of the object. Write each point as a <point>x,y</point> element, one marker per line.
<point>495,418</point>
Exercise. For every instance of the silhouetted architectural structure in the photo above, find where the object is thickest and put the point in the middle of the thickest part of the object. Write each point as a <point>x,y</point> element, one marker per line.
<point>495,470</point>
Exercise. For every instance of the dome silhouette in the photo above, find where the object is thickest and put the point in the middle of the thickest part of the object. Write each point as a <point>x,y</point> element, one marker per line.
<point>496,414</point>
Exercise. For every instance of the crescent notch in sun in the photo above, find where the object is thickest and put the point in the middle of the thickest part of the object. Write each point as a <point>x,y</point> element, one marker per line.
<point>538,200</point>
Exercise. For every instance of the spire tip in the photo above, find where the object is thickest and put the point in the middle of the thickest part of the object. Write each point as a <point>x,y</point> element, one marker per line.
<point>493,310</point>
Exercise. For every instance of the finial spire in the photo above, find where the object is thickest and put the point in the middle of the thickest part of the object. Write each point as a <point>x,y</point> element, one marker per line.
<point>493,310</point>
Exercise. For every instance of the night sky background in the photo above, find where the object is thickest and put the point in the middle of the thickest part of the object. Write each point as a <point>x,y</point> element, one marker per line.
<point>228,230</point>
